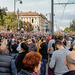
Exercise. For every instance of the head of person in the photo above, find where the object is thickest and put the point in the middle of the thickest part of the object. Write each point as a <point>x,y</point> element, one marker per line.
<point>29,41</point>
<point>44,38</point>
<point>59,44</point>
<point>53,36</point>
<point>33,40</point>
<point>60,37</point>
<point>32,61</point>
<point>3,48</point>
<point>56,37</point>
<point>70,60</point>
<point>24,47</point>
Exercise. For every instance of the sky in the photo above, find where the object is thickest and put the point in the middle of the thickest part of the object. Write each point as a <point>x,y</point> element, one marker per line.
<point>44,7</point>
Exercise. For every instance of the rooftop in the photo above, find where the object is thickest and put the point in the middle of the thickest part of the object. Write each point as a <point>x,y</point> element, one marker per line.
<point>28,13</point>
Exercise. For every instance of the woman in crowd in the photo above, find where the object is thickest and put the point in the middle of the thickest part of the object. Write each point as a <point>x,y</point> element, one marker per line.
<point>31,63</point>
<point>20,57</point>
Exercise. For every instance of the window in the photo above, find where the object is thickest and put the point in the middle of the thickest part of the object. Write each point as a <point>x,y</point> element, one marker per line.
<point>32,20</point>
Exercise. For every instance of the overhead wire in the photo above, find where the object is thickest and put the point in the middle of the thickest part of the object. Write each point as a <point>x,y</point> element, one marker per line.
<point>63,12</point>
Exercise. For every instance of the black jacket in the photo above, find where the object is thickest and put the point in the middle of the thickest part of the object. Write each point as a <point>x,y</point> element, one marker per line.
<point>70,73</point>
<point>18,61</point>
<point>5,64</point>
<point>43,50</point>
<point>14,46</point>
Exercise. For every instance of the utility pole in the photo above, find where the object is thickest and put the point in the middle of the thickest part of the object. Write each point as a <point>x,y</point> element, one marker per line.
<point>52,14</point>
<point>14,12</point>
<point>6,18</point>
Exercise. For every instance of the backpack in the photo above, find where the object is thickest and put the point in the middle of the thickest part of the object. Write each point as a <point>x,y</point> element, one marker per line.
<point>31,47</point>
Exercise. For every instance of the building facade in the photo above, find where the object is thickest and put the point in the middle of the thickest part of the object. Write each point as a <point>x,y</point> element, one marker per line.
<point>37,20</point>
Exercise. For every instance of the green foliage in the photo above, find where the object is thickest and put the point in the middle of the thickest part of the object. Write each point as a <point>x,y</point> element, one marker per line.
<point>27,26</point>
<point>71,28</point>
<point>2,14</point>
<point>66,30</point>
<point>9,21</point>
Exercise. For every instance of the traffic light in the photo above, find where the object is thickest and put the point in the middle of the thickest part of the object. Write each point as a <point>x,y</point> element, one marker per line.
<point>47,30</point>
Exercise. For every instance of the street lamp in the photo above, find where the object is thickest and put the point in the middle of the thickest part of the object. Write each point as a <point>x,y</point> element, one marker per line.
<point>18,20</point>
<point>15,9</point>
<point>6,18</point>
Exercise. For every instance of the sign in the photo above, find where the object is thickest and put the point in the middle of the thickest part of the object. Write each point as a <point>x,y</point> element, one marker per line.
<point>46,26</point>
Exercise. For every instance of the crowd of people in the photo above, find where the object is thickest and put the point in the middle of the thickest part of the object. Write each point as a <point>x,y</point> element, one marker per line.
<point>27,54</point>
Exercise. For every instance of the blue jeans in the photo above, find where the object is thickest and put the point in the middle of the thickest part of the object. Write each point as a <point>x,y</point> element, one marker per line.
<point>14,55</point>
<point>43,67</point>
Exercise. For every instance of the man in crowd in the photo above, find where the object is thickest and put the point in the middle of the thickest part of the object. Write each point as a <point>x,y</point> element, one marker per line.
<point>43,52</point>
<point>58,58</point>
<point>50,45</point>
<point>70,63</point>
<point>14,49</point>
<point>7,65</point>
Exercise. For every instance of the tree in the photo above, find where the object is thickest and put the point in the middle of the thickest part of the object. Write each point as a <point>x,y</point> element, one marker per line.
<point>66,30</point>
<point>10,21</point>
<point>27,26</point>
<point>2,14</point>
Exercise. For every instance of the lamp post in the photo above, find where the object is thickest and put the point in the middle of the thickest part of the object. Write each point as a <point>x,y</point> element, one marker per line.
<point>18,20</point>
<point>52,13</point>
<point>15,9</point>
<point>6,18</point>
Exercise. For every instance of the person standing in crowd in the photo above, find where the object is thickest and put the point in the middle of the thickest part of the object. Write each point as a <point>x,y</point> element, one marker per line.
<point>19,46</point>
<point>7,65</point>
<point>68,42</point>
<point>9,44</point>
<point>31,45</point>
<point>43,52</point>
<point>73,46</point>
<point>47,39</point>
<point>20,57</point>
<point>58,58</point>
<point>34,41</point>
<point>50,45</point>
<point>53,45</point>
<point>70,63</point>
<point>4,41</point>
<point>12,38</point>
<point>14,49</point>
<point>31,63</point>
